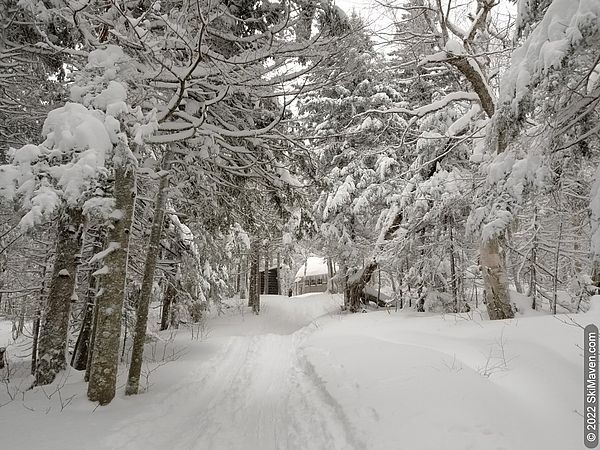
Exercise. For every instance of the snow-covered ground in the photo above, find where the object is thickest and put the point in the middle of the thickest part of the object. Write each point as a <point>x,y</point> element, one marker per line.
<point>303,376</point>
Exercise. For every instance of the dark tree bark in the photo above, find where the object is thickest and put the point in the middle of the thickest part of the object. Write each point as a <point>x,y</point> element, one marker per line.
<point>141,322</point>
<point>243,277</point>
<point>88,365</point>
<point>80,353</point>
<point>278,273</point>
<point>254,294</point>
<point>37,320</point>
<point>35,338</point>
<point>52,344</point>
<point>79,360</point>
<point>357,283</point>
<point>596,273</point>
<point>252,287</point>
<point>168,316</point>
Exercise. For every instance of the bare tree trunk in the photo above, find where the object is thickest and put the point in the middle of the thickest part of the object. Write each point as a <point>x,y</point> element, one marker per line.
<point>576,247</point>
<point>494,277</point>
<point>265,289</point>
<point>304,276</point>
<point>379,287</point>
<point>80,358</point>
<point>88,365</point>
<point>344,271</point>
<point>38,318</point>
<point>357,283</point>
<point>252,289</point>
<point>532,270</point>
<point>80,353</point>
<point>254,297</point>
<point>278,273</point>
<point>54,330</point>
<point>141,321</point>
<point>453,281</point>
<point>243,277</point>
<point>103,374</point>
<point>555,280</point>
<point>330,282</point>
<point>238,277</point>
<point>35,338</point>
<point>514,266</point>
<point>596,273</point>
<point>256,303</point>
<point>252,274</point>
<point>167,303</point>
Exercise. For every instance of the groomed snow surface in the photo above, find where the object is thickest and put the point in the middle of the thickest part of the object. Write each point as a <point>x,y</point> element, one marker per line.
<point>303,376</point>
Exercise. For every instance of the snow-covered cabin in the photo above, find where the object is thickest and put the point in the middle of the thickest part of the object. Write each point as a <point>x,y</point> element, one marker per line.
<point>313,277</point>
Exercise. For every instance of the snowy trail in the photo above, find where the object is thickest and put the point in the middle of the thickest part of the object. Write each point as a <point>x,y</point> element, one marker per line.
<point>301,376</point>
<point>256,393</point>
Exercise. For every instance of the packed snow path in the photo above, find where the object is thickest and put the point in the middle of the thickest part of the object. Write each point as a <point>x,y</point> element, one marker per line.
<point>254,394</point>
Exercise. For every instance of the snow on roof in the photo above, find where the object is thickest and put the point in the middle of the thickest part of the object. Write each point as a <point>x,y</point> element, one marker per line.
<point>315,265</point>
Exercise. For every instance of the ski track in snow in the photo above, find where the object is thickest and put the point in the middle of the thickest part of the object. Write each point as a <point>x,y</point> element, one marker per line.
<point>256,393</point>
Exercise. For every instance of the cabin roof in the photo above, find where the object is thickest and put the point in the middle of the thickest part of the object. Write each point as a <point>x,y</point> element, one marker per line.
<point>315,265</point>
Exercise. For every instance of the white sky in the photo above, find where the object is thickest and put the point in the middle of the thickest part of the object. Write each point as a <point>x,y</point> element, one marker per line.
<point>376,19</point>
<point>368,9</point>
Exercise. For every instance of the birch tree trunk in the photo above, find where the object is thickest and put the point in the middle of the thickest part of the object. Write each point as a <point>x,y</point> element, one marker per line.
<point>495,280</point>
<point>109,301</point>
<point>141,321</point>
<point>52,345</point>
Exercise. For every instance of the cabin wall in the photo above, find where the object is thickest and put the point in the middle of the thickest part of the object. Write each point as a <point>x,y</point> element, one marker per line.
<point>314,283</point>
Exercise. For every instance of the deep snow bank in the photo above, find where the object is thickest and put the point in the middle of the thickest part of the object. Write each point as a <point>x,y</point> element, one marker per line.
<point>405,380</point>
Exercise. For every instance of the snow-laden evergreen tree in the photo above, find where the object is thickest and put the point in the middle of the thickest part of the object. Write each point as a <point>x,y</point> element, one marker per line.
<point>206,74</point>
<point>396,175</point>
<point>540,131</point>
